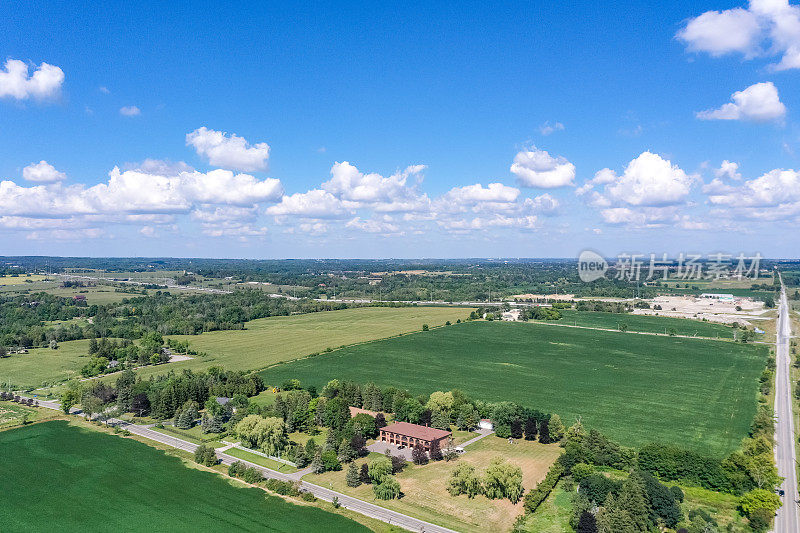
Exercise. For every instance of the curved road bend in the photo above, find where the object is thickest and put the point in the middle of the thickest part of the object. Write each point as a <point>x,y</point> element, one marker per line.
<point>786,521</point>
<point>348,502</point>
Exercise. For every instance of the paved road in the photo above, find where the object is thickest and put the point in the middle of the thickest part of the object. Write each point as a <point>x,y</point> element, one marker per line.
<point>354,504</point>
<point>786,521</point>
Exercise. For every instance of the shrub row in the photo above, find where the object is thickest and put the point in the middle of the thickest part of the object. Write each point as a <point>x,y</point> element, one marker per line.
<point>535,497</point>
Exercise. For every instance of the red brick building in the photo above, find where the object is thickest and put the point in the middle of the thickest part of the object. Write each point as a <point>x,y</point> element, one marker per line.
<point>407,434</point>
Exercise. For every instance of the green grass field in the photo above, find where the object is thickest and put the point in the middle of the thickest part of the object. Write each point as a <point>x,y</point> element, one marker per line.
<point>20,280</point>
<point>267,341</point>
<point>42,365</point>
<point>636,388</point>
<point>73,479</point>
<point>647,324</point>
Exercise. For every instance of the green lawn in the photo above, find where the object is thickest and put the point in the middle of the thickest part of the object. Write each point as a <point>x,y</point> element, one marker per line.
<point>42,365</point>
<point>194,434</point>
<point>259,460</point>
<point>553,514</point>
<point>267,341</point>
<point>74,479</point>
<point>636,388</point>
<point>647,324</point>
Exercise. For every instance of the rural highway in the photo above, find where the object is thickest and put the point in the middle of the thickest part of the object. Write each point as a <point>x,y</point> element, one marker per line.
<point>354,504</point>
<point>786,521</point>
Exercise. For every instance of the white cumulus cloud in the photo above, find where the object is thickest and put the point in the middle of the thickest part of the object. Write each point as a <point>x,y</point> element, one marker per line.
<point>42,172</point>
<point>765,28</point>
<point>648,180</point>
<point>775,188</point>
<point>228,151</point>
<point>722,32</point>
<point>469,194</point>
<point>547,128</point>
<point>758,103</point>
<point>349,184</point>
<point>45,82</point>
<point>130,111</point>
<point>537,168</point>
<point>315,203</point>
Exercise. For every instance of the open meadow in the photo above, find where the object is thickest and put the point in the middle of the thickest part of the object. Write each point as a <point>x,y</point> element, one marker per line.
<point>43,365</point>
<point>9,280</point>
<point>267,341</point>
<point>636,388</point>
<point>125,485</point>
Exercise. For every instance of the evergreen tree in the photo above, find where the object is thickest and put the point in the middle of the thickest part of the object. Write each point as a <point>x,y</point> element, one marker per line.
<point>614,519</point>
<point>587,523</point>
<point>633,500</point>
<point>555,428</point>
<point>344,452</point>
<point>184,420</point>
<point>380,421</point>
<point>311,448</point>
<point>544,432</point>
<point>125,384</point>
<point>353,478</point>
<point>280,407</point>
<point>516,428</point>
<point>418,455</point>
<point>331,441</point>
<point>316,465</point>
<point>425,417</point>
<point>363,474</point>
<point>214,425</point>
<point>300,458</point>
<point>440,419</point>
<point>531,429</point>
<point>436,451</point>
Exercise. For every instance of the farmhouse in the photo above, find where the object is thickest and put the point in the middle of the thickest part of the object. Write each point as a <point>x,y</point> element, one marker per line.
<point>407,434</point>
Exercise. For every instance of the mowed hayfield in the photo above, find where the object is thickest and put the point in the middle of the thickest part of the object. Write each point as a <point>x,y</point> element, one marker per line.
<point>635,388</point>
<point>267,341</point>
<point>646,324</point>
<point>43,365</point>
<point>19,280</point>
<point>425,493</point>
<point>124,485</point>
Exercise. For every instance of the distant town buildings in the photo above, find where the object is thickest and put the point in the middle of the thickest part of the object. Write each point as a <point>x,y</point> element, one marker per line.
<point>717,296</point>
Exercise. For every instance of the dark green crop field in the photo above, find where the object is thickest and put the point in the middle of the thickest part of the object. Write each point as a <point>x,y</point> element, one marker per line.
<point>636,388</point>
<point>644,323</point>
<point>59,477</point>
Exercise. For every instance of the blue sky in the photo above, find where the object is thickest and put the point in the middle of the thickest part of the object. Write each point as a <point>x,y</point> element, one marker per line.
<point>606,126</point>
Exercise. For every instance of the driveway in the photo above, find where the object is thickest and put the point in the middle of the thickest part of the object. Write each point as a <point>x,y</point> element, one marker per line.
<point>381,447</point>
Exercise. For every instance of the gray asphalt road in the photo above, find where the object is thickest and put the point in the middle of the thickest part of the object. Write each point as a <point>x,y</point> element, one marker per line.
<point>354,504</point>
<point>786,520</point>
